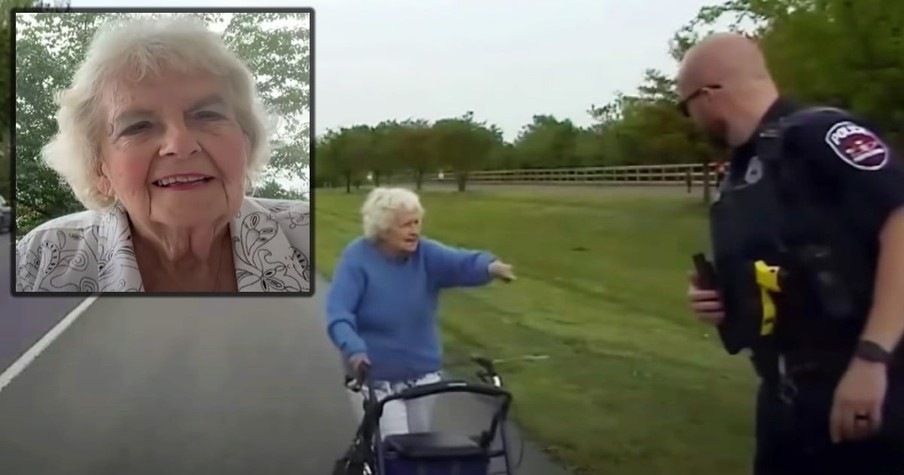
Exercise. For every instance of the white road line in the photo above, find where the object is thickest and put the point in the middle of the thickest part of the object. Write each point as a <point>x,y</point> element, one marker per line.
<point>20,364</point>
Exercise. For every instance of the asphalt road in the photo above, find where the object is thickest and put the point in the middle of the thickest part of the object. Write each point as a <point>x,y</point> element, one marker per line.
<point>223,386</point>
<point>24,320</point>
<point>180,386</point>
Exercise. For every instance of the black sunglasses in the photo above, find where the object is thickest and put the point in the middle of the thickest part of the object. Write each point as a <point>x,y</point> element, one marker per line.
<point>682,104</point>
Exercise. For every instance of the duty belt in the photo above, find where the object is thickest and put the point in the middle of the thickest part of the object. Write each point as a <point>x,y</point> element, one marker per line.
<point>787,370</point>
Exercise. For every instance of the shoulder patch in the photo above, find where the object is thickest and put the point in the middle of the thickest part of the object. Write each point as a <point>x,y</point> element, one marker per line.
<point>858,146</point>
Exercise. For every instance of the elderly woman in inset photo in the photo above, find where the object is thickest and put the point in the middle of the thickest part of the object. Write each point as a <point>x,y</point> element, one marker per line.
<point>381,306</point>
<point>161,135</point>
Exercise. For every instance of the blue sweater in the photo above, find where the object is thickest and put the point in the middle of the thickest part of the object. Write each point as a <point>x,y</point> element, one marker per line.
<point>386,308</point>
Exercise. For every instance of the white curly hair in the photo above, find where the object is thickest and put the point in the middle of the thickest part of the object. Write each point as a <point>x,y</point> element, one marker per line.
<point>146,46</point>
<point>382,204</point>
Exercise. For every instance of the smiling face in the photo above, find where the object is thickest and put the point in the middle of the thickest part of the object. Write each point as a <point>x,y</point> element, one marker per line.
<point>171,149</point>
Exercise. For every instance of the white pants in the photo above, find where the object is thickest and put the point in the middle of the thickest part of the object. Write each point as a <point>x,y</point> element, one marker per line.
<point>400,416</point>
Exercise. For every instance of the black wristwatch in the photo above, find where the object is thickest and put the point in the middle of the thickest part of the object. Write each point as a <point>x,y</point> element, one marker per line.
<point>870,351</point>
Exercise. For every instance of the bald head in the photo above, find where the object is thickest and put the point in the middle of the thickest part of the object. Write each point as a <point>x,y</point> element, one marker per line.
<point>721,59</point>
<point>724,80</point>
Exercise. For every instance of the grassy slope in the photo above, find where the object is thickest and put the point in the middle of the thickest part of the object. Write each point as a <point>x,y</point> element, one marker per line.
<point>633,384</point>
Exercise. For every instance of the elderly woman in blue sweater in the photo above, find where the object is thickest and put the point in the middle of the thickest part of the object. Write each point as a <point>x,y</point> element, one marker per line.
<point>381,307</point>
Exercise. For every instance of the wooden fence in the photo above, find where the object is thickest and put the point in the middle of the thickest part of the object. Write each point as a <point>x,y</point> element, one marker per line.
<point>653,175</point>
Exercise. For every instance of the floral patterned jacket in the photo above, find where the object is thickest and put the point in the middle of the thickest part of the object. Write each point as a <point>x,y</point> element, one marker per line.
<point>92,251</point>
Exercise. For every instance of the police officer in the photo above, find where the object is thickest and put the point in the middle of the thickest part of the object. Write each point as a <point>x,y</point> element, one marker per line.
<point>815,192</point>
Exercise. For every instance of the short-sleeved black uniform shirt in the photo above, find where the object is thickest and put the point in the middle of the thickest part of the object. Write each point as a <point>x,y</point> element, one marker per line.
<point>848,163</point>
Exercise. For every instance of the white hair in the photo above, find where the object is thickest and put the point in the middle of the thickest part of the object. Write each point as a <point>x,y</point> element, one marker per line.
<point>382,204</point>
<point>147,46</point>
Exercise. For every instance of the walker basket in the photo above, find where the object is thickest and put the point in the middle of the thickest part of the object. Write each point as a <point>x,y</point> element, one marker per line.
<point>434,454</point>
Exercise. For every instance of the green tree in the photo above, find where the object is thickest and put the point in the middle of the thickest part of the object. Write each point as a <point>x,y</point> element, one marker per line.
<point>413,149</point>
<point>503,157</point>
<point>590,147</point>
<point>384,159</point>
<point>832,52</point>
<point>463,145</point>
<point>278,55</point>
<point>836,52</point>
<point>6,65</point>
<point>647,128</point>
<point>325,173</point>
<point>270,188</point>
<point>344,154</point>
<point>862,71</point>
<point>547,143</point>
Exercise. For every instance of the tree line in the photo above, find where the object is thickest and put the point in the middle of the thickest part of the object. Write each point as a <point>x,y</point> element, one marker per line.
<point>833,52</point>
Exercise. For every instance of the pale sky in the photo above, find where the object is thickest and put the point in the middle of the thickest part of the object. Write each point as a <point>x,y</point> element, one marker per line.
<point>506,60</point>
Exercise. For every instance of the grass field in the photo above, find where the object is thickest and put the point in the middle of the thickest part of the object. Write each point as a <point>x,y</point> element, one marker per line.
<point>633,384</point>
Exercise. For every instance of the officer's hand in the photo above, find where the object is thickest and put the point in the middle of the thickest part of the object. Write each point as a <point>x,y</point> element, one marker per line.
<point>706,304</point>
<point>859,397</point>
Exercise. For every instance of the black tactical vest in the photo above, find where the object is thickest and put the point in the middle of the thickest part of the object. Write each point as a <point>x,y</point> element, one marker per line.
<point>775,212</point>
